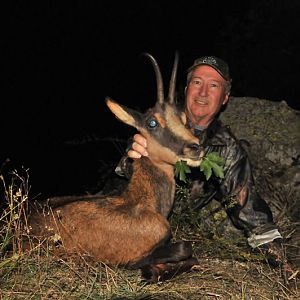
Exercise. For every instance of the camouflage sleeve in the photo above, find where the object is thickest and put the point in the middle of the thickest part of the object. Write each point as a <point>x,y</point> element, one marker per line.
<point>124,167</point>
<point>245,207</point>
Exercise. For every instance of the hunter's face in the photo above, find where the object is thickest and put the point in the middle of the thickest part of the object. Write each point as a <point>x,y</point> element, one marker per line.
<point>205,95</point>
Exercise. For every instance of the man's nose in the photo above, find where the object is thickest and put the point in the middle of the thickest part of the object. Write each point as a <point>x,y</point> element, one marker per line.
<point>203,90</point>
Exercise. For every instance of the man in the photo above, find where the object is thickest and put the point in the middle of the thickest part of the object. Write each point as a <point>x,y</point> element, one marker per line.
<point>207,91</point>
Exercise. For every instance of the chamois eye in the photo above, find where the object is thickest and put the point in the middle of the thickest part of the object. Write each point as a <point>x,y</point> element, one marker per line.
<point>152,123</point>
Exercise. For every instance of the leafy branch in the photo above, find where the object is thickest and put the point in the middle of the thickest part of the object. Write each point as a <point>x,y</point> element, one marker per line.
<point>212,164</point>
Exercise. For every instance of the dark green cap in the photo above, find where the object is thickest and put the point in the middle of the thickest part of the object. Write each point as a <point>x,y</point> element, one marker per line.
<point>217,63</point>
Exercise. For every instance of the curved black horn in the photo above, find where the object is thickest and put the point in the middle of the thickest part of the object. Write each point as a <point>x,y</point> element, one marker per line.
<point>159,81</point>
<point>172,85</point>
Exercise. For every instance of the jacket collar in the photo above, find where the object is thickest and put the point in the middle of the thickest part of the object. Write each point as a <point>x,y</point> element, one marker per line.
<point>207,135</point>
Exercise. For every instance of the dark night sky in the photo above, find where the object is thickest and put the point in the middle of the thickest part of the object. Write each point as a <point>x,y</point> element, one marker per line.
<point>61,58</point>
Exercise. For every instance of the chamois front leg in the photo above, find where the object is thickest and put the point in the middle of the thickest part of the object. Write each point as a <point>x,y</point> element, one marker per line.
<point>168,261</point>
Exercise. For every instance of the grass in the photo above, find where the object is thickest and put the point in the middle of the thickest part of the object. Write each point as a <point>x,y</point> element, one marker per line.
<point>38,276</point>
<point>226,270</point>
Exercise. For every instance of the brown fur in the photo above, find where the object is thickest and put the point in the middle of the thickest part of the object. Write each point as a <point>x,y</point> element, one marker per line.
<point>121,232</point>
<point>127,229</point>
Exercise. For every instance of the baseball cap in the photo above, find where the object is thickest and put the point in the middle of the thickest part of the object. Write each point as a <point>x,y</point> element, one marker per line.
<point>217,63</point>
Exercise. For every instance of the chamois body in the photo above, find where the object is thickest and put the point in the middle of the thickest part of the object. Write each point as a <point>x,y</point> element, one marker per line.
<point>118,230</point>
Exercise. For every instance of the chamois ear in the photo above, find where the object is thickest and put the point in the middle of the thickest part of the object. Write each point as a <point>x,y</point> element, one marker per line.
<point>124,114</point>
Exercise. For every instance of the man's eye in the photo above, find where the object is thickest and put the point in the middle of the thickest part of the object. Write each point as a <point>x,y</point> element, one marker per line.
<point>214,85</point>
<point>152,123</point>
<point>196,82</point>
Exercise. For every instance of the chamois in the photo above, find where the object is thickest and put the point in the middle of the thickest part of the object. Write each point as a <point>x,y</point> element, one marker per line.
<point>132,229</point>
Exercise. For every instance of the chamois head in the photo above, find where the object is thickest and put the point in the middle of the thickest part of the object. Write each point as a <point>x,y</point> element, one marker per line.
<point>168,140</point>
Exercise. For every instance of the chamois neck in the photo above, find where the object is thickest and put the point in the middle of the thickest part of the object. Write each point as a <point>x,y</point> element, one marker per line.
<point>151,186</point>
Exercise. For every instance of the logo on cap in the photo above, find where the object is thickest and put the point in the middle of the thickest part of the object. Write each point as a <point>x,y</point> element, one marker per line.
<point>209,60</point>
<point>218,64</point>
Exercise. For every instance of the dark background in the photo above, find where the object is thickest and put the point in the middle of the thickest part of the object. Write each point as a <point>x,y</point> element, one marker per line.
<point>62,58</point>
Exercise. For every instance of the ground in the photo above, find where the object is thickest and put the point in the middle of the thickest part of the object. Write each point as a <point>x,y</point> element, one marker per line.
<point>227,270</point>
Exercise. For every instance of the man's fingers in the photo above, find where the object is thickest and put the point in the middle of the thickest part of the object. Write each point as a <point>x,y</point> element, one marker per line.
<point>133,154</point>
<point>139,139</point>
<point>139,149</point>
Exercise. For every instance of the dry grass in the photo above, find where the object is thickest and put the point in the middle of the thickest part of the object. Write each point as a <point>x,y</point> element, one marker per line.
<point>226,270</point>
<point>40,276</point>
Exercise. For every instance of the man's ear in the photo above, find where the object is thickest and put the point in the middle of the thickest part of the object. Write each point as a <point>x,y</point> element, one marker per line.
<point>225,99</point>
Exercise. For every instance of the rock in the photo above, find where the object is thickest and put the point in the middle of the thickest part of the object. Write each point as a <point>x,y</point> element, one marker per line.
<point>272,128</point>
<point>271,133</point>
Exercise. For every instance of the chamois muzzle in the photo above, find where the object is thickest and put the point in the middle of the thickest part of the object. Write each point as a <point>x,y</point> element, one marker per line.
<point>195,147</point>
<point>194,151</point>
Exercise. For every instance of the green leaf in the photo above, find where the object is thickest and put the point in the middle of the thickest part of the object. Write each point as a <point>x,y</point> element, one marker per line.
<point>212,163</point>
<point>206,168</point>
<point>181,168</point>
<point>218,170</point>
<point>214,157</point>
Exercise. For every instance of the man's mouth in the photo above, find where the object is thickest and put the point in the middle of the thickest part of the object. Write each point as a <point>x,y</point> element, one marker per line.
<point>201,101</point>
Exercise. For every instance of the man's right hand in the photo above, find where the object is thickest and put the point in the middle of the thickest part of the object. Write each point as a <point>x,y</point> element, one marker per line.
<point>138,147</point>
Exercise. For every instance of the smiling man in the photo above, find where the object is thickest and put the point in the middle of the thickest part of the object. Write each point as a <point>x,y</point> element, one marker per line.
<point>208,89</point>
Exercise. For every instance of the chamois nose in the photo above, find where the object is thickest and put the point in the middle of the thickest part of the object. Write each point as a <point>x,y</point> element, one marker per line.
<point>194,147</point>
<point>192,150</point>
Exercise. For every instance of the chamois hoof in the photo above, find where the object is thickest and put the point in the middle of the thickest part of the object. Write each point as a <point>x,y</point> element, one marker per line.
<point>161,272</point>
